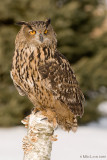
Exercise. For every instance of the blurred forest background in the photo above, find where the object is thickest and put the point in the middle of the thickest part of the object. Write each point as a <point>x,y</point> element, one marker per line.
<point>81,27</point>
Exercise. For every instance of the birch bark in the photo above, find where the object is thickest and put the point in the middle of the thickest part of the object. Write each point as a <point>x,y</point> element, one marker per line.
<point>37,144</point>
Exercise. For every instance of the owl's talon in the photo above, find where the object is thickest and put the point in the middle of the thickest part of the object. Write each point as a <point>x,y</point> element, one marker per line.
<point>43,119</point>
<point>35,110</point>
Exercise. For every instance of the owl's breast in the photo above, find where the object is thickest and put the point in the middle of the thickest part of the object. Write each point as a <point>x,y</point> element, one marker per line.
<point>26,62</point>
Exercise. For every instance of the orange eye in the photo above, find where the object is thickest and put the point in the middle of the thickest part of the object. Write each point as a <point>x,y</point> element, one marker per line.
<point>32,32</point>
<point>46,31</point>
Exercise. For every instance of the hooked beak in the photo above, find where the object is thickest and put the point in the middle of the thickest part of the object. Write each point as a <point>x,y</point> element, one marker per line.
<point>41,37</point>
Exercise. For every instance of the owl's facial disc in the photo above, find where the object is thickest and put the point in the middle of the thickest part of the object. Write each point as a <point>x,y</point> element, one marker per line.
<point>39,33</point>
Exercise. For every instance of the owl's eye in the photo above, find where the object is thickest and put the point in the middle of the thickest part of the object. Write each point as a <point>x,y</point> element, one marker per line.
<point>46,31</point>
<point>32,32</point>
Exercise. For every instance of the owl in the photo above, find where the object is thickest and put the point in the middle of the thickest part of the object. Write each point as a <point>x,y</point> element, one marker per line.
<point>40,72</point>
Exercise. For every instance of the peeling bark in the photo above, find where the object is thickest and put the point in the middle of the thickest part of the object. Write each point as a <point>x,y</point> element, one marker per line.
<point>37,144</point>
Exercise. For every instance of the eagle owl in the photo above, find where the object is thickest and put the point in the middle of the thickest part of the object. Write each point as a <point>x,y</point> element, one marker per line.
<point>44,75</point>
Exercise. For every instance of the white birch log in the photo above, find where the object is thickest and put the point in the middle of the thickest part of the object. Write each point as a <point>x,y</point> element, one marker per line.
<point>37,144</point>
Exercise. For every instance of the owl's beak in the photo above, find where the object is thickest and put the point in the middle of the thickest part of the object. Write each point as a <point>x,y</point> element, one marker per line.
<point>41,37</point>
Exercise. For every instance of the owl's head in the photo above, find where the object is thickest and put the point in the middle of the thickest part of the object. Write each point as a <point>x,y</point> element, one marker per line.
<point>38,33</point>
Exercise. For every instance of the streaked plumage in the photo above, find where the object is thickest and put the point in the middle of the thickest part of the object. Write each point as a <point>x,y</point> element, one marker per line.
<point>44,75</point>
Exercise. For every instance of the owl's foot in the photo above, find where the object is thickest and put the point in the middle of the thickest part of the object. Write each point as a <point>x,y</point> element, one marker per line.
<point>51,116</point>
<point>35,110</point>
<point>48,115</point>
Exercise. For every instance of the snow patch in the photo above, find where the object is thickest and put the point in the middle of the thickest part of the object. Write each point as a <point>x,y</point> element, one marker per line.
<point>88,140</point>
<point>102,108</point>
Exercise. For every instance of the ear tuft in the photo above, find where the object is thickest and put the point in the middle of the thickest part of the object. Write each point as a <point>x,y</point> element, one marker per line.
<point>21,23</point>
<point>48,22</point>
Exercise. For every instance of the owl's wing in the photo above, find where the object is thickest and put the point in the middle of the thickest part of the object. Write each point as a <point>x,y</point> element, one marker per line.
<point>57,76</point>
